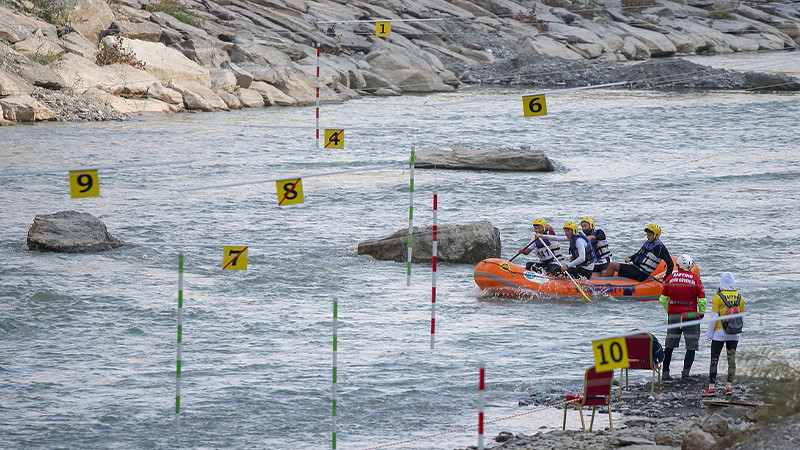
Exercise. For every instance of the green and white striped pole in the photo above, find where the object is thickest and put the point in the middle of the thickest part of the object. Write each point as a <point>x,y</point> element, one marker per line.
<point>410,217</point>
<point>333,384</point>
<point>178,346</point>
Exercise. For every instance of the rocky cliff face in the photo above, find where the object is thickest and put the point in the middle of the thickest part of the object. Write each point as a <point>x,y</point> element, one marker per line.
<point>130,56</point>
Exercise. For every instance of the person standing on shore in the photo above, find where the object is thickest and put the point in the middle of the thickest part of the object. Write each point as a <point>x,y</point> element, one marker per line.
<point>724,334</point>
<point>684,299</point>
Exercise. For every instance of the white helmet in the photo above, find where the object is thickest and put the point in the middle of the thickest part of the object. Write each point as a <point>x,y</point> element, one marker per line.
<point>685,262</point>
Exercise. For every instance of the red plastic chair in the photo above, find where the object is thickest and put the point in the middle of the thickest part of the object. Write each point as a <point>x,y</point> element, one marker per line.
<point>640,357</point>
<point>596,391</point>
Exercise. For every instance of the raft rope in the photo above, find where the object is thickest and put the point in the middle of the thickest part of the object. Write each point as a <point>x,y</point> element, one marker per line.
<point>81,169</point>
<point>293,177</point>
<point>518,96</point>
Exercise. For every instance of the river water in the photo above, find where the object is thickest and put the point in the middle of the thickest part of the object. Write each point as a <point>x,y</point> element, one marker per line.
<point>88,340</point>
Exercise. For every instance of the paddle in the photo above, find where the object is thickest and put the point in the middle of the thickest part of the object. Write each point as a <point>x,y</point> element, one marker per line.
<point>519,253</point>
<point>568,274</point>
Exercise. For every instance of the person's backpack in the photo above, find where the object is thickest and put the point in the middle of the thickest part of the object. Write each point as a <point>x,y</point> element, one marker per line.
<point>735,325</point>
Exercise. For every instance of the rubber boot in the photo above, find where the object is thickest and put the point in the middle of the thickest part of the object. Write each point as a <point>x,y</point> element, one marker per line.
<point>688,360</point>
<point>665,365</point>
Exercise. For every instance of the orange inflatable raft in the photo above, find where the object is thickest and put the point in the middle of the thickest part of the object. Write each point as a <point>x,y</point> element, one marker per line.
<point>501,277</point>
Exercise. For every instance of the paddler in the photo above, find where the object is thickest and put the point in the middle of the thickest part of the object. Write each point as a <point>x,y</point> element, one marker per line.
<point>644,262</point>
<point>599,244</point>
<point>580,250</point>
<point>547,262</point>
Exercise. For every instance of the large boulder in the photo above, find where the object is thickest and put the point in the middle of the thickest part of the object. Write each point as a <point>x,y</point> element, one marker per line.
<point>11,84</point>
<point>24,108</point>
<point>407,70</point>
<point>167,64</point>
<point>469,243</point>
<point>521,159</point>
<point>33,73</point>
<point>69,232</point>
<point>91,17</point>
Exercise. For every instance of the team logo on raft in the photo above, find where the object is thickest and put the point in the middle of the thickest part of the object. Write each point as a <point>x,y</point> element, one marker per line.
<point>535,277</point>
<point>505,267</point>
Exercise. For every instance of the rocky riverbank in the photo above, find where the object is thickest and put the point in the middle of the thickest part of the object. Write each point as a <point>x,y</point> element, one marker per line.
<point>676,418</point>
<point>106,60</point>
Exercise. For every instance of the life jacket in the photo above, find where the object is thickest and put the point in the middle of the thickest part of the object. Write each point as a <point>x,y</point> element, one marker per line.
<point>646,258</point>
<point>573,250</point>
<point>600,248</point>
<point>543,254</point>
<point>732,302</point>
<point>682,295</point>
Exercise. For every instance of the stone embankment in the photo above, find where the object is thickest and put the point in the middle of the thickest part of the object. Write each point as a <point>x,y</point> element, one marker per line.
<point>98,59</point>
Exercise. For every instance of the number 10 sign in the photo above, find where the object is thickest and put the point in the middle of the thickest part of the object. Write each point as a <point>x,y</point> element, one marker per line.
<point>610,354</point>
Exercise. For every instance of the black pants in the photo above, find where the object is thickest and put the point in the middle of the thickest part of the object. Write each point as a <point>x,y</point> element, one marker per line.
<point>580,271</point>
<point>716,350</point>
<point>551,268</point>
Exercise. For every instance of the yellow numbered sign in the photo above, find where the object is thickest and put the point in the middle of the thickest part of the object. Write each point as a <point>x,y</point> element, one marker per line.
<point>234,258</point>
<point>334,139</point>
<point>84,183</point>
<point>610,354</point>
<point>534,105</point>
<point>383,29</point>
<point>290,192</point>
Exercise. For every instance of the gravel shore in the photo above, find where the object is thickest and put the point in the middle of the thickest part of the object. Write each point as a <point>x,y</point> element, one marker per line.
<point>678,417</point>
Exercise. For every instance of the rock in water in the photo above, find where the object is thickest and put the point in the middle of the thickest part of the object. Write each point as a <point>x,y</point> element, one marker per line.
<point>508,159</point>
<point>69,232</point>
<point>468,243</point>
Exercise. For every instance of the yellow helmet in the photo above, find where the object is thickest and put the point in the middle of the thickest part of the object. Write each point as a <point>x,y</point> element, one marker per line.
<point>540,222</point>
<point>589,221</point>
<point>572,226</point>
<point>655,229</point>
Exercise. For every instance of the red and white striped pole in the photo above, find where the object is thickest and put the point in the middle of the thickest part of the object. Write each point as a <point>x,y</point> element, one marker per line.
<point>481,391</point>
<point>318,52</point>
<point>434,253</point>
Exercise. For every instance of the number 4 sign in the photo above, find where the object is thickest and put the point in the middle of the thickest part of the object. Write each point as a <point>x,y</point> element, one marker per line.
<point>610,354</point>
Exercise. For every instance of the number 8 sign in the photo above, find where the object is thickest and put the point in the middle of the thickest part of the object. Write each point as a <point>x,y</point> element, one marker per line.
<point>289,191</point>
<point>84,183</point>
<point>610,354</point>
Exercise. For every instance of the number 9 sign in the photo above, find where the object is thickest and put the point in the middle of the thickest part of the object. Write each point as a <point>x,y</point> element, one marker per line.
<point>84,183</point>
<point>534,105</point>
<point>610,354</point>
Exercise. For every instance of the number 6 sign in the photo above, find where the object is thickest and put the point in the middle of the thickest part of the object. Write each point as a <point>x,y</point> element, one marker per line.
<point>84,183</point>
<point>534,105</point>
<point>610,354</point>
